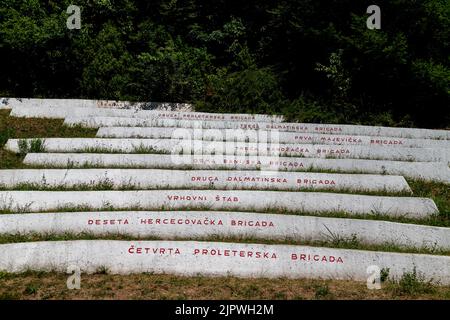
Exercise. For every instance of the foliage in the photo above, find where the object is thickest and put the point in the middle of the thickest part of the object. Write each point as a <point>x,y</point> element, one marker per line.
<point>313,60</point>
<point>336,73</point>
<point>251,90</point>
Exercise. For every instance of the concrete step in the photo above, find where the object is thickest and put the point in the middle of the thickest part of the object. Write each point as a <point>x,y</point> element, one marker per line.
<point>83,103</point>
<point>62,112</point>
<point>97,122</point>
<point>428,171</point>
<point>195,179</point>
<point>190,258</point>
<point>255,136</point>
<point>310,202</point>
<point>204,224</point>
<point>198,147</point>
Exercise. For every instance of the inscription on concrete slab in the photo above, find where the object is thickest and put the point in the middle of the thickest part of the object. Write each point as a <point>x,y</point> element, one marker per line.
<point>192,179</point>
<point>316,202</point>
<point>430,171</point>
<point>216,259</point>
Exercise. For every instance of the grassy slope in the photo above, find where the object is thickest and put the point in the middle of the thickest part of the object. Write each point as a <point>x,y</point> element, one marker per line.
<point>53,286</point>
<point>33,128</point>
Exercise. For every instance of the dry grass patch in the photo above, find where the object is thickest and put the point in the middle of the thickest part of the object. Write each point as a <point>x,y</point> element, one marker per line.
<point>22,128</point>
<point>34,285</point>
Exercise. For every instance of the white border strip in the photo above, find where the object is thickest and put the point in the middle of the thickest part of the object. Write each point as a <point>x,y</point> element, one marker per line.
<point>193,179</point>
<point>192,258</point>
<point>313,202</point>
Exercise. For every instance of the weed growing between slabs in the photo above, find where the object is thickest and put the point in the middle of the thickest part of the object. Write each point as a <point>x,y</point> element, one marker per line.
<point>439,192</point>
<point>34,146</point>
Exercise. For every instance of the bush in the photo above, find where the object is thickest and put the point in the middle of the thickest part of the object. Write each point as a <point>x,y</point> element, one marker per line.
<point>31,289</point>
<point>253,90</point>
<point>174,73</point>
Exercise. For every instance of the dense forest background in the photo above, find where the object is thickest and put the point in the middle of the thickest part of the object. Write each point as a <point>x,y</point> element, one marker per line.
<point>312,60</point>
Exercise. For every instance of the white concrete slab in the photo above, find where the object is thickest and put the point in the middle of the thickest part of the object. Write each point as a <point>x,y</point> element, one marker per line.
<point>311,202</point>
<point>428,171</point>
<point>217,259</point>
<point>97,122</point>
<point>198,147</point>
<point>263,136</point>
<point>83,103</point>
<point>31,102</point>
<point>195,179</point>
<point>62,112</point>
<point>203,224</point>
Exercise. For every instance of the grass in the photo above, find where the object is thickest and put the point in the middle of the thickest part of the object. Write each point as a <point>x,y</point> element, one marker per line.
<point>27,128</point>
<point>42,285</point>
<point>322,291</point>
<point>412,284</point>
<point>10,160</point>
<point>31,289</point>
<point>31,128</point>
<point>142,149</point>
<point>102,270</point>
